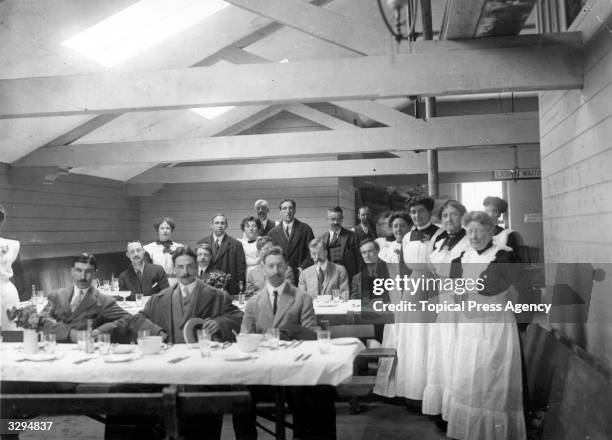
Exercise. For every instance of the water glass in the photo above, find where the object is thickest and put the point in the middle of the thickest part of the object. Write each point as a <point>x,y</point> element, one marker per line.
<point>49,343</point>
<point>139,300</point>
<point>115,285</point>
<point>106,285</point>
<point>204,342</point>
<point>336,295</point>
<point>324,340</point>
<point>143,334</point>
<point>82,340</point>
<point>104,343</point>
<point>273,338</point>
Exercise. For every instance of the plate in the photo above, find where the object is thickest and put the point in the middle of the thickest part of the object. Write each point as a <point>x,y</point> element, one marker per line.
<point>322,304</point>
<point>122,349</point>
<point>237,357</point>
<point>115,358</point>
<point>41,357</point>
<point>344,341</point>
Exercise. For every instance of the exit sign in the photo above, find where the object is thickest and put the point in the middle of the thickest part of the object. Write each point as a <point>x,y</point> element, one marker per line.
<point>520,174</point>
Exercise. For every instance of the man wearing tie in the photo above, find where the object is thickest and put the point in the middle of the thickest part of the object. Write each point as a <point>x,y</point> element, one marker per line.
<point>72,307</point>
<point>283,306</point>
<point>293,237</point>
<point>205,252</point>
<point>264,224</point>
<point>141,277</point>
<point>342,244</point>
<point>227,253</point>
<point>324,276</point>
<point>365,228</point>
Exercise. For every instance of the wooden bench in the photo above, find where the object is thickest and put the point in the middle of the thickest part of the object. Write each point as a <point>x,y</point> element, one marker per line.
<point>168,405</point>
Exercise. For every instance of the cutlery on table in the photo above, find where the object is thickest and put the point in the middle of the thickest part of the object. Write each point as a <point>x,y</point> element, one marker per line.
<point>178,359</point>
<point>305,358</point>
<point>80,361</point>
<point>297,344</point>
<point>298,357</point>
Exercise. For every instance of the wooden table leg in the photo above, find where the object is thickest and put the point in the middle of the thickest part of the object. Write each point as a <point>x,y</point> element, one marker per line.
<point>280,413</point>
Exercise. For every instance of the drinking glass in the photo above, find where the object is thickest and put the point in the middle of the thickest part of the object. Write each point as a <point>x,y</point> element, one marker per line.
<point>324,339</point>
<point>204,342</point>
<point>104,343</point>
<point>344,296</point>
<point>139,300</point>
<point>50,343</point>
<point>82,340</point>
<point>106,285</point>
<point>336,295</point>
<point>123,294</point>
<point>273,338</point>
<point>115,284</point>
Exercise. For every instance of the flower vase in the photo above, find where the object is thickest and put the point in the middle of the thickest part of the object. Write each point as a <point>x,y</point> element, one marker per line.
<point>30,341</point>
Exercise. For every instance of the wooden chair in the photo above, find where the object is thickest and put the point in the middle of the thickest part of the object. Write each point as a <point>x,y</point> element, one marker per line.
<point>168,404</point>
<point>362,382</point>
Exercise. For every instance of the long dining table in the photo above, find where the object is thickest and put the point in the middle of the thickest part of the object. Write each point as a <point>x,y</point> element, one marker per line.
<point>295,363</point>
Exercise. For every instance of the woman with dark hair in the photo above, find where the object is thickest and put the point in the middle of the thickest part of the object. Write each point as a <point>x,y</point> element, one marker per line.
<point>447,246</point>
<point>249,242</point>
<point>161,251</point>
<point>9,297</point>
<point>496,207</point>
<point>412,331</point>
<point>486,389</point>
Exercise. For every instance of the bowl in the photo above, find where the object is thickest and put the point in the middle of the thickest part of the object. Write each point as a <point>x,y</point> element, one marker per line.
<point>150,344</point>
<point>122,349</point>
<point>324,298</point>
<point>248,342</point>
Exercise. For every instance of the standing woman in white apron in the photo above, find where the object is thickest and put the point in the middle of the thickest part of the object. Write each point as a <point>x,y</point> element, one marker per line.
<point>448,245</point>
<point>486,400</point>
<point>9,298</point>
<point>391,253</point>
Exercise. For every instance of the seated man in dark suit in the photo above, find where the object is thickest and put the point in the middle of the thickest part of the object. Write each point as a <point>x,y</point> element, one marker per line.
<point>167,312</point>
<point>72,307</point>
<point>362,286</point>
<point>141,277</point>
<point>206,271</point>
<point>256,278</point>
<point>283,306</point>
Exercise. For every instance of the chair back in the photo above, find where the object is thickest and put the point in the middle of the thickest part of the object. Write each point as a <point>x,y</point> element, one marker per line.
<point>191,328</point>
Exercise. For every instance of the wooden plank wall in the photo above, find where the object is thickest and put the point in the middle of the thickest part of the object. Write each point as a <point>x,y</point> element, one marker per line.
<point>193,205</point>
<point>576,151</point>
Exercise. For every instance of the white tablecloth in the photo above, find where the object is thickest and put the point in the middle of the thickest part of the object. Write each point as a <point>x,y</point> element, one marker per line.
<point>330,308</point>
<point>271,367</point>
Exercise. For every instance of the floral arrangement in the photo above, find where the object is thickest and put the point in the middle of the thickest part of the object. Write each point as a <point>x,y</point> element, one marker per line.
<point>217,279</point>
<point>28,318</point>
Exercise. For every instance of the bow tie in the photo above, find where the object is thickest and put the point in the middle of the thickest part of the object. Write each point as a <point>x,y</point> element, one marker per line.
<point>166,244</point>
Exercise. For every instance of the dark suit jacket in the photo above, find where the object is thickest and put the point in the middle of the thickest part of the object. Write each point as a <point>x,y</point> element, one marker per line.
<point>294,309</point>
<point>102,309</point>
<point>154,280</point>
<point>269,225</point>
<point>207,302</point>
<point>229,259</point>
<point>361,235</point>
<point>296,246</point>
<point>361,283</point>
<point>349,248</point>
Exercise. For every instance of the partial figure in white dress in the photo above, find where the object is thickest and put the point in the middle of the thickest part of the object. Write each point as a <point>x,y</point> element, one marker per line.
<point>249,242</point>
<point>447,246</point>
<point>161,250</point>
<point>9,297</point>
<point>486,388</point>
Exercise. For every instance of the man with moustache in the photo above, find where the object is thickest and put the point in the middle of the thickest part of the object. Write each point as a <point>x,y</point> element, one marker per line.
<point>293,237</point>
<point>72,307</point>
<point>264,224</point>
<point>323,276</point>
<point>365,228</point>
<point>141,277</point>
<point>342,244</point>
<point>228,253</point>
<point>204,252</point>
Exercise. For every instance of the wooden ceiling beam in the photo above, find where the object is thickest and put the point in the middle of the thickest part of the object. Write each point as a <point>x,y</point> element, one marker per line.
<point>450,161</point>
<point>438,133</point>
<point>322,23</point>
<point>542,67</point>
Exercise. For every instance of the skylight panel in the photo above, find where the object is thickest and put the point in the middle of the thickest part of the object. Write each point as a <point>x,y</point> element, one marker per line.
<point>140,27</point>
<point>212,112</point>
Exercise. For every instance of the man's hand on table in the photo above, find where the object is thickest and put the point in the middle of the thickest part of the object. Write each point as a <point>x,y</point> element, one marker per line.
<point>211,326</point>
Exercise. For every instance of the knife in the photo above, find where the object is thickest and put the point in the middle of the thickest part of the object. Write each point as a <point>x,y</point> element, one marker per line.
<point>177,360</point>
<point>80,361</point>
<point>305,358</point>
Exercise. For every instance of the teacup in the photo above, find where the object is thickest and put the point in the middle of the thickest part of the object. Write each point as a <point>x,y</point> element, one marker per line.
<point>150,344</point>
<point>324,298</point>
<point>248,342</point>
